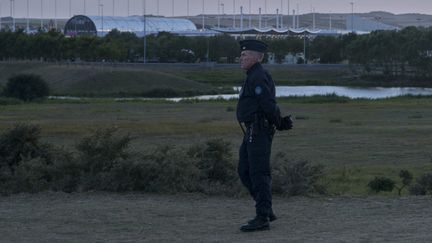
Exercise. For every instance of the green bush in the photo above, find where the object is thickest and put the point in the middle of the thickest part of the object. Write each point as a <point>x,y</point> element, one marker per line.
<point>32,175</point>
<point>26,87</point>
<point>215,161</point>
<point>99,153</point>
<point>22,142</point>
<point>385,184</point>
<point>103,162</point>
<point>66,173</point>
<point>422,186</point>
<point>407,178</point>
<point>170,169</point>
<point>100,150</point>
<point>297,178</point>
<point>381,184</point>
<point>216,167</point>
<point>25,162</point>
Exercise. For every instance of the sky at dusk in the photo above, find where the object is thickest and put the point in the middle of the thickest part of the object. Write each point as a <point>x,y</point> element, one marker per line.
<point>65,8</point>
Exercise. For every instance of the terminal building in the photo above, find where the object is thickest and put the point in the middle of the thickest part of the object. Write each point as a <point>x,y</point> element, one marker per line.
<point>81,25</point>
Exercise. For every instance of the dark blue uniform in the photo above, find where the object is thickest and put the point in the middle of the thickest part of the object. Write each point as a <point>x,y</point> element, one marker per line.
<point>258,111</point>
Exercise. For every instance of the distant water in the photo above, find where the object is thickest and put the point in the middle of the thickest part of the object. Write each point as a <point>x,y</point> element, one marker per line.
<point>289,91</point>
<point>350,92</point>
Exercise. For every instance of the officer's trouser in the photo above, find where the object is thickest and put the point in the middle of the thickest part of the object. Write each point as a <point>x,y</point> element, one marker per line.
<point>254,167</point>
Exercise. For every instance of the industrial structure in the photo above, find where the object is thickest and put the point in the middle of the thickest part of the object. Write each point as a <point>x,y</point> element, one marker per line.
<point>80,25</point>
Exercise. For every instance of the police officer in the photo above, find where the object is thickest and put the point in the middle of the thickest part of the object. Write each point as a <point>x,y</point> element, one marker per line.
<point>258,115</point>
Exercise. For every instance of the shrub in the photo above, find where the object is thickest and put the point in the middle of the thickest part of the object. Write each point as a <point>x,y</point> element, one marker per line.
<point>99,153</point>
<point>32,175</point>
<point>66,173</point>
<point>407,178</point>
<point>214,161</point>
<point>381,184</point>
<point>101,149</point>
<point>423,185</point>
<point>385,184</point>
<point>170,169</point>
<point>297,178</point>
<point>22,142</point>
<point>26,87</point>
<point>25,162</point>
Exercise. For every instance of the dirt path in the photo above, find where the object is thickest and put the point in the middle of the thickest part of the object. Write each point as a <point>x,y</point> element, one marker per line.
<point>96,217</point>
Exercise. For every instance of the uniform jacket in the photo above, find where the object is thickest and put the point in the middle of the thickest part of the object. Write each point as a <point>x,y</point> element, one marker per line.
<point>257,97</point>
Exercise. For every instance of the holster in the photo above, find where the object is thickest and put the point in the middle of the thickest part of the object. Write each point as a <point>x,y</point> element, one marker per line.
<point>261,123</point>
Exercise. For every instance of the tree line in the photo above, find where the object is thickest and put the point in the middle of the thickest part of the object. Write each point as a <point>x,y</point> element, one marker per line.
<point>407,52</point>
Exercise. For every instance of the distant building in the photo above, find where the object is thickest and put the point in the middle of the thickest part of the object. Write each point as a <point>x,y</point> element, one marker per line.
<point>80,25</point>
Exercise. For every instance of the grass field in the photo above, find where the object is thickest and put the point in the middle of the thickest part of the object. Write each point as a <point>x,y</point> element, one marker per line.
<point>356,140</point>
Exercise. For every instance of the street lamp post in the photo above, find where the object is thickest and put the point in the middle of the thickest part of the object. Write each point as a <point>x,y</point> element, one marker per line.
<point>102,19</point>
<point>145,32</point>
<point>281,19</point>
<point>330,21</point>
<point>277,18</point>
<point>250,14</point>
<point>259,18</point>
<point>352,16</point>
<point>0,16</point>
<point>12,10</point>
<point>218,13</point>
<point>294,19</point>
<point>234,16</point>
<point>241,18</point>
<point>203,20</point>
<point>55,14</point>
<point>223,10</point>
<point>265,13</point>
<point>41,27</point>
<point>313,22</point>
<point>28,22</point>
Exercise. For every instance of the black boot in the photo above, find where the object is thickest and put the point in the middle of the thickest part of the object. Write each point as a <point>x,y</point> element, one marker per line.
<point>272,217</point>
<point>256,224</point>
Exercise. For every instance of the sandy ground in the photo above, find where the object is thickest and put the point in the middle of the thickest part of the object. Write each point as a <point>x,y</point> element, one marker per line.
<point>109,217</point>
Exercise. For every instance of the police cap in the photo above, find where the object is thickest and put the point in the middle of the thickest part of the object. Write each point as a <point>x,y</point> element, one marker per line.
<point>253,45</point>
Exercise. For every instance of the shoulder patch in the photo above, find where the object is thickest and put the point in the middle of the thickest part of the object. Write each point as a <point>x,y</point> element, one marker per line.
<point>258,90</point>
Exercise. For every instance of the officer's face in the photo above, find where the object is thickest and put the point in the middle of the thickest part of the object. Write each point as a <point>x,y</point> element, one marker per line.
<point>248,59</point>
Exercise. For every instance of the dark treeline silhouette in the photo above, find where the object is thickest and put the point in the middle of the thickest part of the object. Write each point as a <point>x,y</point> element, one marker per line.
<point>407,52</point>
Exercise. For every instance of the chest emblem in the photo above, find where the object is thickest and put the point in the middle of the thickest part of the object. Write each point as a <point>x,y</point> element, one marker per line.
<point>258,90</point>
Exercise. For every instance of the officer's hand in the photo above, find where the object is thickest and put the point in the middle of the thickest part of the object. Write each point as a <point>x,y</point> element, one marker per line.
<point>285,124</point>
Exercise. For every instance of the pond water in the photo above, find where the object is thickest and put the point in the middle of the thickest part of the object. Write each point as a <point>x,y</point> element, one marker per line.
<point>287,91</point>
<point>350,92</point>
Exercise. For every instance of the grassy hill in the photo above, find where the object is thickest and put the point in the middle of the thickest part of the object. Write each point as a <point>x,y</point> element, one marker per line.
<point>106,81</point>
